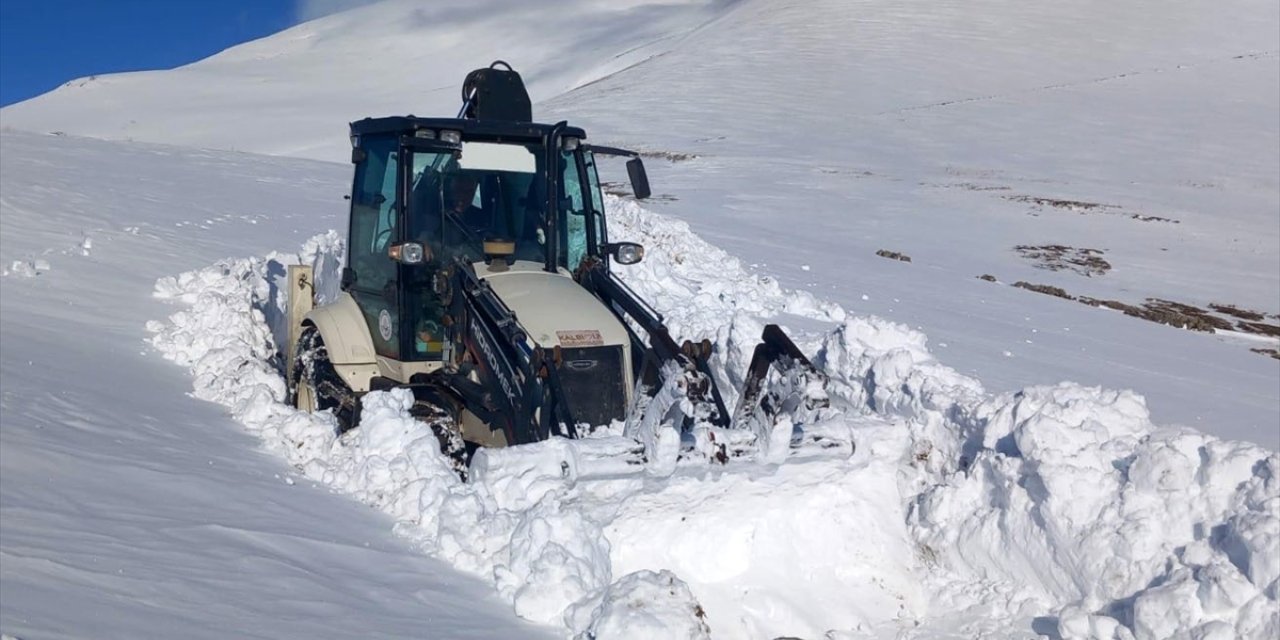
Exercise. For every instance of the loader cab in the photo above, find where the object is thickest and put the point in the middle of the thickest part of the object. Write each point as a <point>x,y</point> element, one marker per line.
<point>429,194</point>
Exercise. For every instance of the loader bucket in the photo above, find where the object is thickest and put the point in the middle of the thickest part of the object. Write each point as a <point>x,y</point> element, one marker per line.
<point>797,386</point>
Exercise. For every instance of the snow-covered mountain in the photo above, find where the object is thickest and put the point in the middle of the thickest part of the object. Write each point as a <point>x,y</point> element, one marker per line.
<point>293,93</point>
<point>1130,149</point>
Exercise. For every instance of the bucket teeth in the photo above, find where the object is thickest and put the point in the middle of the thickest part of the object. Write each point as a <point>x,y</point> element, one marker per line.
<point>779,411</point>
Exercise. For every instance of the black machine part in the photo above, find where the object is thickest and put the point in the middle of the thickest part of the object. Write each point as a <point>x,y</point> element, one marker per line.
<point>534,393</point>
<point>311,367</point>
<point>635,168</point>
<point>776,351</point>
<point>495,94</point>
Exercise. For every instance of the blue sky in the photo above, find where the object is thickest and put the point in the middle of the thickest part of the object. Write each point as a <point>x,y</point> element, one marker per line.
<point>44,43</point>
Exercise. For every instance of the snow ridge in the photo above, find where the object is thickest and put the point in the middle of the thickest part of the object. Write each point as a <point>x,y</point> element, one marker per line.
<point>1061,506</point>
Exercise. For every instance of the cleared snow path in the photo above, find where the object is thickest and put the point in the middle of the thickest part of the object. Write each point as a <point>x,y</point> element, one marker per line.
<point>127,508</point>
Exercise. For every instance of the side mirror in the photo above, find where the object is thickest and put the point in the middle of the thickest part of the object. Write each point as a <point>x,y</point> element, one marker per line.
<point>625,252</point>
<point>639,181</point>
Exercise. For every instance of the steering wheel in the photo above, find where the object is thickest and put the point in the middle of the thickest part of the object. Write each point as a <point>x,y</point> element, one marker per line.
<point>380,241</point>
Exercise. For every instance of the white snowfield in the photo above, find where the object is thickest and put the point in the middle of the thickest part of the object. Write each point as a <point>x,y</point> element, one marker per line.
<point>985,498</point>
<point>803,137</point>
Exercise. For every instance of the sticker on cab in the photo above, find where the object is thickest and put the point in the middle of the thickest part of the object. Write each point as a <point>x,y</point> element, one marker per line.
<point>580,338</point>
<point>384,325</point>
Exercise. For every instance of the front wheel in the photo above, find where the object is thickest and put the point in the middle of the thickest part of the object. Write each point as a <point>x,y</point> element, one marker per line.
<point>316,386</point>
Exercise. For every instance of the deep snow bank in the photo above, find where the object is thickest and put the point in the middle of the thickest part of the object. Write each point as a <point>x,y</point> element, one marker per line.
<point>1059,503</point>
<point>1070,495</point>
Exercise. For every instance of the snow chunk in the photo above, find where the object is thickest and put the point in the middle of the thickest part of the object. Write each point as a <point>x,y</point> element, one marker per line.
<point>27,268</point>
<point>557,557</point>
<point>641,605</point>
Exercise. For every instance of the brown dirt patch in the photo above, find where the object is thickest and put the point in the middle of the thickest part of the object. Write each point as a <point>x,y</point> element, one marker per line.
<point>893,255</point>
<point>1078,206</point>
<point>1057,257</point>
<point>1259,328</point>
<point>1169,312</point>
<point>1236,312</point>
<point>1144,218</point>
<point>1179,314</point>
<point>1083,207</point>
<point>1048,290</point>
<point>1174,314</point>
<point>669,156</point>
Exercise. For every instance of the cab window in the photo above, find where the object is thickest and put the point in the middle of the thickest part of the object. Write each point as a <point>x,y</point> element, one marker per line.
<point>573,210</point>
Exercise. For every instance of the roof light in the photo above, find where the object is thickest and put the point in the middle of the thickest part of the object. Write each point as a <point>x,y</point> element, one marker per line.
<point>452,137</point>
<point>571,143</point>
<point>427,134</point>
<point>355,140</point>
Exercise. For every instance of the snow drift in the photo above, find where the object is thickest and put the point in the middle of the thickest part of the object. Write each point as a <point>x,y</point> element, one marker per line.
<point>1056,509</point>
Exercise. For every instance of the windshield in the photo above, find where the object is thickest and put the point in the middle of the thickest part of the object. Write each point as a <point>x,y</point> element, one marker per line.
<point>490,191</point>
<point>457,201</point>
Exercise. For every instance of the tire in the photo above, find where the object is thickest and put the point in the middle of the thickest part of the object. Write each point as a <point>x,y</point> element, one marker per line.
<point>316,386</point>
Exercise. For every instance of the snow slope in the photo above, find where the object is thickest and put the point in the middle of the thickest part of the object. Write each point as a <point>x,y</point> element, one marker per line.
<point>986,498</point>
<point>822,132</point>
<point>293,92</point>
<point>127,508</point>
<point>804,137</point>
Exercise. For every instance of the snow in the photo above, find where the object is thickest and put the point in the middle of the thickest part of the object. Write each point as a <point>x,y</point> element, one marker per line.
<point>1060,503</point>
<point>129,509</point>
<point>646,604</point>
<point>787,143</point>
<point>815,134</point>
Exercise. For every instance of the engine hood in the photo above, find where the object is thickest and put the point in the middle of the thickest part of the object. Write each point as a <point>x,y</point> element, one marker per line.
<point>552,308</point>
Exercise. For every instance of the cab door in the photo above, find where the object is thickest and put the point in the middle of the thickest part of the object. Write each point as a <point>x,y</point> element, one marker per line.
<point>372,276</point>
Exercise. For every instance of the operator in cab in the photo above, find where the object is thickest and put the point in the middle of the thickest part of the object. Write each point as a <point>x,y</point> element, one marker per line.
<point>460,203</point>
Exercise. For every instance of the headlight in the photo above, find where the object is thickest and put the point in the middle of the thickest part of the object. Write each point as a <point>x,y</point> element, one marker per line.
<point>626,252</point>
<point>407,253</point>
